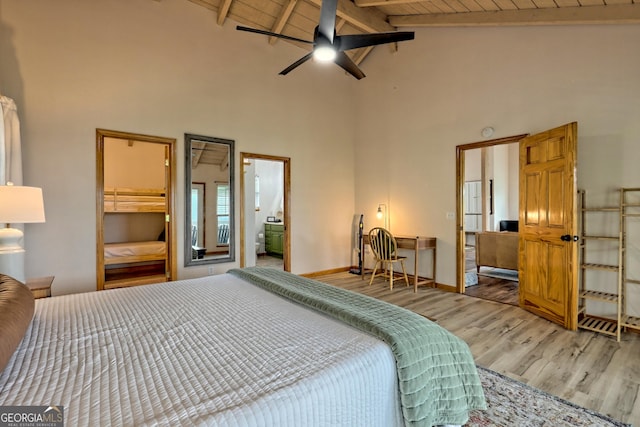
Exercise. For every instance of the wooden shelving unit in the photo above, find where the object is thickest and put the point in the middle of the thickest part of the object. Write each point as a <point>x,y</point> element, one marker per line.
<point>605,324</point>
<point>630,209</point>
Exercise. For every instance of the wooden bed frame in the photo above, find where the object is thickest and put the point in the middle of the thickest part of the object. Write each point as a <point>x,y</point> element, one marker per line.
<point>134,200</point>
<point>134,270</point>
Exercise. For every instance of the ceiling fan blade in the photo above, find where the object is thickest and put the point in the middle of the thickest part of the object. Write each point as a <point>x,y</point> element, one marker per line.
<point>355,41</point>
<point>269,33</point>
<point>327,25</point>
<point>296,64</point>
<point>349,66</point>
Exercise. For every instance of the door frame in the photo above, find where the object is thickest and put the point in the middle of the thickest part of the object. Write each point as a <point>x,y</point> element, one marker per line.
<point>286,161</point>
<point>170,237</point>
<point>460,167</point>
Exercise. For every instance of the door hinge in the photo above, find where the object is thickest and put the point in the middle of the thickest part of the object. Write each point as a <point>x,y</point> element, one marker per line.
<point>167,218</point>
<point>166,162</point>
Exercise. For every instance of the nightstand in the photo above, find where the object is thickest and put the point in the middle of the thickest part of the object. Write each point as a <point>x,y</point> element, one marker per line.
<point>40,287</point>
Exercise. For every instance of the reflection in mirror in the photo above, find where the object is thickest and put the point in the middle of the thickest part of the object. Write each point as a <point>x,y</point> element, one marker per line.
<point>209,173</point>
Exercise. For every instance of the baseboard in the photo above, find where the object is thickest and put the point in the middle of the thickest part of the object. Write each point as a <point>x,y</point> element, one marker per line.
<point>441,286</point>
<point>325,272</point>
<point>446,288</point>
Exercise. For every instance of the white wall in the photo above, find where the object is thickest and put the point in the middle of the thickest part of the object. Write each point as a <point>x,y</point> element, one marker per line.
<point>165,68</point>
<point>514,182</point>
<point>441,89</point>
<point>501,183</point>
<point>473,165</point>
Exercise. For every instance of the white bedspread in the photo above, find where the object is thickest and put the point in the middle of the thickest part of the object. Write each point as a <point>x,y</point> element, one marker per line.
<point>209,351</point>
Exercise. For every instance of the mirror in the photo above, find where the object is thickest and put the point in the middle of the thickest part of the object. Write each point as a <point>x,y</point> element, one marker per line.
<point>209,194</point>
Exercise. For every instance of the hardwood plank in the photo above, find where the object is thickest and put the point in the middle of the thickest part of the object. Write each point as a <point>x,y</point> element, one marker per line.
<point>586,368</point>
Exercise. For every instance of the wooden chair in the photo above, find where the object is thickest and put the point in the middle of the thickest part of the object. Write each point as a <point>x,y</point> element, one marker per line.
<point>383,245</point>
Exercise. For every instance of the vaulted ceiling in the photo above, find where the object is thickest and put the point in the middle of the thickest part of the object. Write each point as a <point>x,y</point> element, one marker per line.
<point>298,18</point>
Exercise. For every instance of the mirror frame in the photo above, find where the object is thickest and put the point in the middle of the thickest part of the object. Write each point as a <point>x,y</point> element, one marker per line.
<point>231,256</point>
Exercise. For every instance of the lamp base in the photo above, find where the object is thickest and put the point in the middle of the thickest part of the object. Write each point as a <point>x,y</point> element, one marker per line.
<point>12,254</point>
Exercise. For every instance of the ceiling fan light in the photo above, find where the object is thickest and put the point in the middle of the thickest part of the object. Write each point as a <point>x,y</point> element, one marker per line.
<point>324,53</point>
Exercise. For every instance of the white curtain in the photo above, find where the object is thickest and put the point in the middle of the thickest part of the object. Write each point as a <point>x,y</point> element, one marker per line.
<point>10,151</point>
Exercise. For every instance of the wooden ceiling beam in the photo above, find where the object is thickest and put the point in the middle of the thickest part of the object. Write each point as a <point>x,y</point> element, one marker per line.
<point>204,4</point>
<point>609,14</point>
<point>282,20</point>
<point>369,3</point>
<point>368,20</point>
<point>223,11</point>
<point>196,152</point>
<point>361,54</point>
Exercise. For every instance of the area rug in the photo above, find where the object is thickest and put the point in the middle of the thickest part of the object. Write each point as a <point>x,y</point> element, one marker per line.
<point>512,403</point>
<point>499,273</point>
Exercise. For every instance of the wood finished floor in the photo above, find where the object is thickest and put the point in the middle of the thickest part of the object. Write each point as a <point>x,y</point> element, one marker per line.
<point>490,288</point>
<point>588,369</point>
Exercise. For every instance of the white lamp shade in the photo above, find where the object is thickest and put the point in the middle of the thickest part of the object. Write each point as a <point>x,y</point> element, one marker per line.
<point>20,204</point>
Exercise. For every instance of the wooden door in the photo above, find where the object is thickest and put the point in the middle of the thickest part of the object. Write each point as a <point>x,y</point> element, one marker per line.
<point>548,263</point>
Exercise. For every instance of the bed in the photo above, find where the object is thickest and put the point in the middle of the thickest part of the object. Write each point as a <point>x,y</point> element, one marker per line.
<point>133,216</point>
<point>120,200</point>
<point>249,347</point>
<point>133,252</point>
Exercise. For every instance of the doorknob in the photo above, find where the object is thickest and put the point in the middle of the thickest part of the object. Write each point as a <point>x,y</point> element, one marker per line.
<point>569,238</point>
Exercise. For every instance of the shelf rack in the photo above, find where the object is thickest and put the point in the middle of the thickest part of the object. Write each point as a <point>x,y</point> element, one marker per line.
<point>609,325</point>
<point>630,208</point>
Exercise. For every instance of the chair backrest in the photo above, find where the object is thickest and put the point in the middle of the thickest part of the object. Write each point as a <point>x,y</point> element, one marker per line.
<point>382,243</point>
<point>194,235</point>
<point>223,233</point>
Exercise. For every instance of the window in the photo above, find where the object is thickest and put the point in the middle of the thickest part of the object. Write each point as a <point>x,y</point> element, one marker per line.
<point>197,214</point>
<point>222,211</point>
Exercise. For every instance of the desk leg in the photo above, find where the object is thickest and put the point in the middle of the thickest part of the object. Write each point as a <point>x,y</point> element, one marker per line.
<point>434,267</point>
<point>415,268</point>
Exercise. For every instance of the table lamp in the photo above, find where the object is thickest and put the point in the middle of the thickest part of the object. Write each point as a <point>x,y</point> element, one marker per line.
<point>18,205</point>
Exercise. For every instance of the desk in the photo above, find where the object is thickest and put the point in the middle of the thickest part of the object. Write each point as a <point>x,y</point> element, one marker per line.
<point>417,244</point>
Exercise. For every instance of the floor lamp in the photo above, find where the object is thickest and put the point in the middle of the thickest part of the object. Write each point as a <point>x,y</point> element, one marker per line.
<point>18,205</point>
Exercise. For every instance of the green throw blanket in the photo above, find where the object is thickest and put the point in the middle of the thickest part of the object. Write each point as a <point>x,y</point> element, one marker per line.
<point>437,376</point>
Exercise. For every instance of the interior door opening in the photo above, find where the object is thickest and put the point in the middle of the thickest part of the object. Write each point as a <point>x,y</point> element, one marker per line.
<point>546,263</point>
<point>482,202</point>
<point>265,222</point>
<point>490,204</point>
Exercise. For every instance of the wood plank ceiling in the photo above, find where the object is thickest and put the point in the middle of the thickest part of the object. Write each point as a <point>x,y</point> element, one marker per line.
<point>298,18</point>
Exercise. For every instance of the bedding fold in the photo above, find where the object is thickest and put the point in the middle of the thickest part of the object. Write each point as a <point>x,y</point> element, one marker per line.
<point>437,376</point>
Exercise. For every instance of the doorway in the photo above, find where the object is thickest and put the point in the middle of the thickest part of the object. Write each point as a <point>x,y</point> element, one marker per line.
<point>547,254</point>
<point>265,222</point>
<point>476,174</point>
<point>135,230</point>
<point>491,206</point>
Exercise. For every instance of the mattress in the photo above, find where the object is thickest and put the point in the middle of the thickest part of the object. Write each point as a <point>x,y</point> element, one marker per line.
<point>209,351</point>
<point>134,249</point>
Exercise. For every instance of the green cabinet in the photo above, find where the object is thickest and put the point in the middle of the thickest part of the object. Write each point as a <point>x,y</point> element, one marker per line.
<point>274,239</point>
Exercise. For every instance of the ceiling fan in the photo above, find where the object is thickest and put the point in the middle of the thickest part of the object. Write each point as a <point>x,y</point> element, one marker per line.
<point>327,46</point>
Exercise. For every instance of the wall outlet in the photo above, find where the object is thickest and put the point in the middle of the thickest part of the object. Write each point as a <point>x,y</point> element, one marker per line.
<point>211,270</point>
<point>451,215</point>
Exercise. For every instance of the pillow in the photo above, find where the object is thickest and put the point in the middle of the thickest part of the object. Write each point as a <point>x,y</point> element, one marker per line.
<point>16,312</point>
